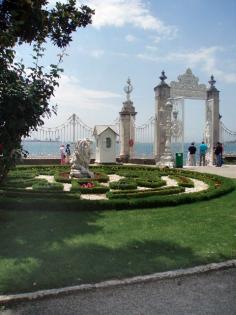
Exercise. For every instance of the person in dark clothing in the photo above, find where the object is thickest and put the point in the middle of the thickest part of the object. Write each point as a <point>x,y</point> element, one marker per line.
<point>218,153</point>
<point>192,151</point>
<point>67,151</point>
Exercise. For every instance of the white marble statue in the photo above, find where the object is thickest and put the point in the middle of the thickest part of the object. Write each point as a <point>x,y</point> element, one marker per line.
<point>80,160</point>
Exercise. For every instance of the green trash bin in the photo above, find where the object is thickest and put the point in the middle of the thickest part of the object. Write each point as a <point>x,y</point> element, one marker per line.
<point>179,160</point>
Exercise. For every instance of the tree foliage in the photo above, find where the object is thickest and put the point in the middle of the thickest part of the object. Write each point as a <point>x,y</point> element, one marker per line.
<point>25,93</point>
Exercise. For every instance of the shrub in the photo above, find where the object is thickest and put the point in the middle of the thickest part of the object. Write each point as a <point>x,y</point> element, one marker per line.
<point>146,193</point>
<point>183,181</point>
<point>99,177</point>
<point>42,186</point>
<point>62,178</point>
<point>150,183</point>
<point>123,184</point>
<point>21,183</point>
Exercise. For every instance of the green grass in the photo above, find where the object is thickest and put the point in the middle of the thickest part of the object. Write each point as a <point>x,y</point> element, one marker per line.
<point>46,249</point>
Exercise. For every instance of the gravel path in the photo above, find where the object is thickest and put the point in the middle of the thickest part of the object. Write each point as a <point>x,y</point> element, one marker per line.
<point>49,178</point>
<point>198,184</point>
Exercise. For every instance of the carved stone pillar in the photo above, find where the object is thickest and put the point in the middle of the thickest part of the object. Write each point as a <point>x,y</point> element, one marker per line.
<point>166,158</point>
<point>127,126</point>
<point>213,96</point>
<point>162,93</point>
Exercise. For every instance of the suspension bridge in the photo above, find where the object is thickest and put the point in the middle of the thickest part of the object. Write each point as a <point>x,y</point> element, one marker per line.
<point>71,130</point>
<point>74,128</point>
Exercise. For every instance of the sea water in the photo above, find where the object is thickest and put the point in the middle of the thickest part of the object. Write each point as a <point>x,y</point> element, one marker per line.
<point>51,149</point>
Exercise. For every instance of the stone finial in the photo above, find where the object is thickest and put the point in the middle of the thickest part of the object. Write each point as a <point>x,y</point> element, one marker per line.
<point>128,89</point>
<point>163,77</point>
<point>212,82</point>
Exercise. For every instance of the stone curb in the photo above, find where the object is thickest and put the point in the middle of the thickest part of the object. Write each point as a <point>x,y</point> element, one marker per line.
<point>4,299</point>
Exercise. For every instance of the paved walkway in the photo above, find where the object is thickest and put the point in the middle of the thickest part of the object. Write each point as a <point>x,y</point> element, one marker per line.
<point>212,293</point>
<point>224,170</point>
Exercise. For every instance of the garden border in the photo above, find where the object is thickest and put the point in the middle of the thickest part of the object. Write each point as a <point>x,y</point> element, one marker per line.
<point>218,186</point>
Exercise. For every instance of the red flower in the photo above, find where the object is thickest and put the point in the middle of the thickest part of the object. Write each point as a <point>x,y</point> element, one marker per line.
<point>87,185</point>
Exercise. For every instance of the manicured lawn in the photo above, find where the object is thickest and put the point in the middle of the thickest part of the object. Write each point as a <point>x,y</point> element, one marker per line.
<point>48,249</point>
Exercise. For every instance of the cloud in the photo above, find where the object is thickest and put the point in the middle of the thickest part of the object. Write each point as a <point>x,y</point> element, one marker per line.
<point>97,53</point>
<point>207,59</point>
<point>130,38</point>
<point>71,91</point>
<point>120,54</point>
<point>204,57</point>
<point>120,13</point>
<point>72,97</point>
<point>150,57</point>
<point>229,77</point>
<point>156,39</point>
<point>151,48</point>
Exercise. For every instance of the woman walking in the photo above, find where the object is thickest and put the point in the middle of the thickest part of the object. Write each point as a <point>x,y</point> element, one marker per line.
<point>63,155</point>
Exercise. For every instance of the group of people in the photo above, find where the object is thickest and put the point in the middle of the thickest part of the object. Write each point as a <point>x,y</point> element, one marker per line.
<point>65,154</point>
<point>218,151</point>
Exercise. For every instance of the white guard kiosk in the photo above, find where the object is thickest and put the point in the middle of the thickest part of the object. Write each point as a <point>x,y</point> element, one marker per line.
<point>105,139</point>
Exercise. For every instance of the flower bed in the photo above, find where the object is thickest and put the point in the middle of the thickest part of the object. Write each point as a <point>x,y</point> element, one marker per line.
<point>86,187</point>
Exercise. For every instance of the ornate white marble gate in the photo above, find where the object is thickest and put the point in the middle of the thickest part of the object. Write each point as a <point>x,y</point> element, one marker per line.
<point>169,113</point>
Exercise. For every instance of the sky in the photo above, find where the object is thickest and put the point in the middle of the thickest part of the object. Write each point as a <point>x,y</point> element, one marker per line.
<point>139,39</point>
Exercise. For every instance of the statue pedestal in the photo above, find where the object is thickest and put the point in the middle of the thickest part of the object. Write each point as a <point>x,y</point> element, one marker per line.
<point>166,160</point>
<point>80,160</point>
<point>82,173</point>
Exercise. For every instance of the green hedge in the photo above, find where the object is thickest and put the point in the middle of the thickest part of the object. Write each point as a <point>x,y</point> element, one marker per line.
<point>150,183</point>
<point>183,181</point>
<point>99,177</point>
<point>21,183</point>
<point>61,179</point>
<point>218,186</point>
<point>42,186</point>
<point>38,195</point>
<point>146,193</point>
<point>123,184</point>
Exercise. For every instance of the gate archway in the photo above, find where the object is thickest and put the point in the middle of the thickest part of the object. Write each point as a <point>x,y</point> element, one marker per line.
<point>187,87</point>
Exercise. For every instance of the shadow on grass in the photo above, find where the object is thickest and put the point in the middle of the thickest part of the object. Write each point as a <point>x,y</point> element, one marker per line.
<point>73,263</point>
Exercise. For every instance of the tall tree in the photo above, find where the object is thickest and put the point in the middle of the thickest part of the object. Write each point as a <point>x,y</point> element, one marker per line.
<point>24,94</point>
